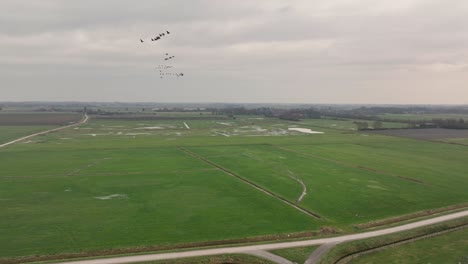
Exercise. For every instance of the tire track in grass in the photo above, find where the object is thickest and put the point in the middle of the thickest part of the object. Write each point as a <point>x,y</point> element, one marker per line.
<point>304,187</point>
<point>258,187</point>
<point>357,166</point>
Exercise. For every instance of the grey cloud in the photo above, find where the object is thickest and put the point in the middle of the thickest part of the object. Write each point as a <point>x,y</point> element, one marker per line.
<point>303,51</point>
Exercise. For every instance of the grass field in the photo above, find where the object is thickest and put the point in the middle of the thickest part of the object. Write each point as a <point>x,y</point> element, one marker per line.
<point>447,248</point>
<point>124,184</point>
<point>423,116</point>
<point>8,133</point>
<point>346,124</point>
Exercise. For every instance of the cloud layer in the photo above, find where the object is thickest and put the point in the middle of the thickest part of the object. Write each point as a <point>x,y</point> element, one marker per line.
<point>297,51</point>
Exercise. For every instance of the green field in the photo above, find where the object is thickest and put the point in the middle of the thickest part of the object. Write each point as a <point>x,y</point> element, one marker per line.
<point>125,184</point>
<point>423,116</point>
<point>447,248</point>
<point>346,124</point>
<point>9,133</point>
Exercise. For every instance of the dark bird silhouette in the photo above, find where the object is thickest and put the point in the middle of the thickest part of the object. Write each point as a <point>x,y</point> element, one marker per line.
<point>168,32</point>
<point>141,40</point>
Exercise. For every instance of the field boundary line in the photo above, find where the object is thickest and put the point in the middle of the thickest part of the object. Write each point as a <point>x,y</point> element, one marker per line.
<point>256,186</point>
<point>82,121</point>
<point>411,216</point>
<point>356,166</point>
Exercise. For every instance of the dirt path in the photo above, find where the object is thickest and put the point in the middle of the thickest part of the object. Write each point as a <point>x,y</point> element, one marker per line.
<point>319,252</point>
<point>272,246</point>
<point>84,120</point>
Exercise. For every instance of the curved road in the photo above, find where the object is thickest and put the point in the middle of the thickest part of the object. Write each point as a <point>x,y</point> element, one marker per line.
<point>247,249</point>
<point>84,120</point>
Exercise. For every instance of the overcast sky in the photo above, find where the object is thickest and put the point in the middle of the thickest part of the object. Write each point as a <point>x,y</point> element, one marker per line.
<point>279,51</point>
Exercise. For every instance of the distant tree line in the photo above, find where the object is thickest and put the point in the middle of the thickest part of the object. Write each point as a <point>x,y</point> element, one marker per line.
<point>450,123</point>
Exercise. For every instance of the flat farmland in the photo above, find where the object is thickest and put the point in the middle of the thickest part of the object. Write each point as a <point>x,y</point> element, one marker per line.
<point>114,184</point>
<point>8,133</point>
<point>32,119</point>
<point>339,192</point>
<point>346,124</point>
<point>92,200</point>
<point>423,116</point>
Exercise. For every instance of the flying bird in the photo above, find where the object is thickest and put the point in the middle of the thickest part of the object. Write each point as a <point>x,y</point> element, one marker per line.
<point>141,41</point>
<point>168,32</point>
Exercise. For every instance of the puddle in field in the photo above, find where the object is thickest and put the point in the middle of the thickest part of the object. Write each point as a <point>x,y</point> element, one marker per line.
<point>136,134</point>
<point>222,134</point>
<point>304,130</point>
<point>151,127</point>
<point>112,196</point>
<point>223,123</point>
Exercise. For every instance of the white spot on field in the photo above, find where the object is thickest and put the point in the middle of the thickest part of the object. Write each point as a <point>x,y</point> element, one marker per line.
<point>223,123</point>
<point>304,130</point>
<point>152,127</point>
<point>136,134</point>
<point>68,190</point>
<point>112,196</point>
<point>222,134</point>
<point>65,138</point>
<point>186,125</point>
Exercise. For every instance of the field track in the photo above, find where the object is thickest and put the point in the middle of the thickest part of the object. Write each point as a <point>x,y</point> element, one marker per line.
<point>84,120</point>
<point>295,206</point>
<point>247,249</point>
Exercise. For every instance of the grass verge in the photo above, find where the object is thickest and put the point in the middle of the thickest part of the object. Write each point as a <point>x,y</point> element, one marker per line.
<point>346,251</point>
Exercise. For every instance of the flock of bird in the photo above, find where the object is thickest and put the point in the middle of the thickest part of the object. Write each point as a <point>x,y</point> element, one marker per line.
<point>162,67</point>
<point>158,37</point>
